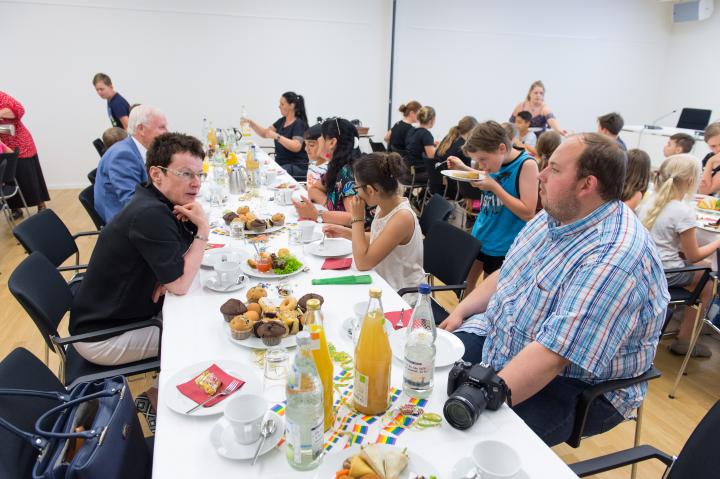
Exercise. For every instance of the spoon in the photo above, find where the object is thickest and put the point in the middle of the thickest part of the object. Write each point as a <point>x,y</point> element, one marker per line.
<point>267,429</point>
<point>240,279</point>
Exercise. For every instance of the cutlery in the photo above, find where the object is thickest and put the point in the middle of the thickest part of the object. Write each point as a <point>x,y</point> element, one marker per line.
<point>228,390</point>
<point>240,279</point>
<point>267,429</point>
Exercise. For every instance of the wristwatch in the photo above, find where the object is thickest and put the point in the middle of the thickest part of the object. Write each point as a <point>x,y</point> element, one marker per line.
<point>319,219</point>
<point>201,238</point>
<point>277,136</point>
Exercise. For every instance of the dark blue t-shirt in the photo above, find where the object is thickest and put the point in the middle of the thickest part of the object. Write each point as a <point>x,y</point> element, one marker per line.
<point>294,131</point>
<point>117,107</point>
<point>416,141</point>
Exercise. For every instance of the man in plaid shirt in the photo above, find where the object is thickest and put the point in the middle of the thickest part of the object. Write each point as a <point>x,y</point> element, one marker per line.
<point>580,299</point>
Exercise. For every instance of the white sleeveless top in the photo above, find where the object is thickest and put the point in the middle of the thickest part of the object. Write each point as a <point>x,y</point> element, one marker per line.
<point>403,267</point>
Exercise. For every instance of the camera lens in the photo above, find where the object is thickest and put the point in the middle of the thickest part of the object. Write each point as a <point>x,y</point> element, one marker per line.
<point>462,409</point>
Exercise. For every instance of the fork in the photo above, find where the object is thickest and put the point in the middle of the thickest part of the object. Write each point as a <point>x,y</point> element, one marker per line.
<point>228,390</point>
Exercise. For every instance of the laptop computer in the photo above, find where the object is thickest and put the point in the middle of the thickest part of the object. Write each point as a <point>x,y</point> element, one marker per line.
<point>694,118</point>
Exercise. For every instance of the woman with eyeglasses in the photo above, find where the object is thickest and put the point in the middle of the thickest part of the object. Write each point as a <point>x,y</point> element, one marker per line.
<point>337,143</point>
<point>287,133</point>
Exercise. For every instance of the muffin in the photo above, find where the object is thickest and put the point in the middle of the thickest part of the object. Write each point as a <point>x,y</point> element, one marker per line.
<point>258,226</point>
<point>252,316</point>
<point>240,327</point>
<point>271,332</point>
<point>243,210</point>
<point>229,216</point>
<point>231,308</point>
<point>255,308</point>
<point>302,302</point>
<point>255,293</point>
<point>278,219</point>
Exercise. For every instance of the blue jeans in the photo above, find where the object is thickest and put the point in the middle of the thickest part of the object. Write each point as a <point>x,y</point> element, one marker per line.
<point>550,413</point>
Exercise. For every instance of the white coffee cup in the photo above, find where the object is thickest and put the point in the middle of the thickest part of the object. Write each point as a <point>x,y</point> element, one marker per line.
<point>283,196</point>
<point>270,176</point>
<point>495,460</point>
<point>245,414</point>
<point>227,272</point>
<point>307,228</point>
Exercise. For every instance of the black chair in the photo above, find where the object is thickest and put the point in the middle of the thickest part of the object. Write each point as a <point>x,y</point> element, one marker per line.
<point>91,176</point>
<point>437,209</point>
<point>46,297</point>
<point>87,199</point>
<point>697,459</point>
<point>376,146</point>
<point>9,186</point>
<point>99,146</point>
<point>680,296</point>
<point>21,370</point>
<point>448,255</point>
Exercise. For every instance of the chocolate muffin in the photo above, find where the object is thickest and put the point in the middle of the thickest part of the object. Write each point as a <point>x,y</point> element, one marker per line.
<point>229,216</point>
<point>271,332</point>
<point>231,308</point>
<point>302,302</point>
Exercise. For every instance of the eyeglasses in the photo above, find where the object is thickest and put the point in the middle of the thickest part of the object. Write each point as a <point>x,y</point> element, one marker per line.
<point>184,175</point>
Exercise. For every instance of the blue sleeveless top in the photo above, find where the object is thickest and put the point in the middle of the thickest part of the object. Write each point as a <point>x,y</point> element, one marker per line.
<point>496,226</point>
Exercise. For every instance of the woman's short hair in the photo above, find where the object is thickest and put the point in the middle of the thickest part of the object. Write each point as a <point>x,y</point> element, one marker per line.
<point>166,145</point>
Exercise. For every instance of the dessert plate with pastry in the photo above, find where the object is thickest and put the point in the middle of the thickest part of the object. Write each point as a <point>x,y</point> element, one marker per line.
<point>464,176</point>
<point>267,265</point>
<point>375,460</point>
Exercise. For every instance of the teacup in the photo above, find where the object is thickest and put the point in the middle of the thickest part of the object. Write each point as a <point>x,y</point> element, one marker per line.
<point>495,460</point>
<point>245,414</point>
<point>227,272</point>
<point>283,196</point>
<point>307,228</point>
<point>270,176</point>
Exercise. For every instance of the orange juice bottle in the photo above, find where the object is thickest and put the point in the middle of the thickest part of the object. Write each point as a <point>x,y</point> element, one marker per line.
<point>231,159</point>
<point>373,359</point>
<point>321,354</point>
<point>212,137</point>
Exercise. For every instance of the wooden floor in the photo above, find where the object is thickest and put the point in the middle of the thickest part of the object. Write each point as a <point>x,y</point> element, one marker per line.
<point>667,423</point>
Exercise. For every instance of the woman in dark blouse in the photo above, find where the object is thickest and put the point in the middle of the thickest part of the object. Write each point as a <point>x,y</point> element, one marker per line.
<point>451,145</point>
<point>395,137</point>
<point>420,143</point>
<point>287,132</point>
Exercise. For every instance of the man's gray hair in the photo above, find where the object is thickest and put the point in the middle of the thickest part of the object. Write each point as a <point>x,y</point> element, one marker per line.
<point>140,115</point>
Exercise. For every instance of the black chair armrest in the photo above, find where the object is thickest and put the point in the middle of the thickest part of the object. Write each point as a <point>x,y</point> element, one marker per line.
<point>107,333</point>
<point>85,233</point>
<point>614,460</point>
<point>686,269</point>
<point>75,267</point>
<point>444,287</point>
<point>695,293</point>
<point>590,394</point>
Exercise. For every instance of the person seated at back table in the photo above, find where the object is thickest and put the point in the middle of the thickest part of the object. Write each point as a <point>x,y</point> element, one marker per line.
<point>122,166</point>
<point>677,144</point>
<point>546,145</point>
<point>525,138</point>
<point>112,135</point>
<point>611,125</point>
<point>452,145</point>
<point>317,163</point>
<point>580,299</point>
<point>637,178</point>
<point>710,181</point>
<point>542,115</point>
<point>420,143</point>
<point>396,136</point>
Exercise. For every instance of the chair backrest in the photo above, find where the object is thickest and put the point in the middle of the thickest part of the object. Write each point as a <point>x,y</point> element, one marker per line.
<point>469,191</point>
<point>99,146</point>
<point>437,209</point>
<point>377,146</point>
<point>698,457</point>
<point>91,176</point>
<point>8,175</point>
<point>46,233</point>
<point>42,292</point>
<point>21,370</point>
<point>449,252</point>
<point>87,198</point>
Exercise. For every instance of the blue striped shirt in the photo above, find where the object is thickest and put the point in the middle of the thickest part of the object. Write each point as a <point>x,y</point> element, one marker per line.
<point>592,291</point>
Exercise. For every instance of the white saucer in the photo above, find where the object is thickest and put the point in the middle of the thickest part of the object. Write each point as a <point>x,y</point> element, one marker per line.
<point>448,347</point>
<point>223,440</point>
<point>463,468</point>
<point>316,236</point>
<point>212,283</point>
<point>331,248</point>
<point>216,255</point>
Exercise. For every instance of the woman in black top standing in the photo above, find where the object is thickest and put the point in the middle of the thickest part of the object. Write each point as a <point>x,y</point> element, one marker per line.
<point>395,137</point>
<point>288,133</point>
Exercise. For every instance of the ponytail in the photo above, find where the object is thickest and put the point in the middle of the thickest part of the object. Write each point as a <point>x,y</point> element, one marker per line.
<point>381,170</point>
<point>298,103</point>
<point>678,175</point>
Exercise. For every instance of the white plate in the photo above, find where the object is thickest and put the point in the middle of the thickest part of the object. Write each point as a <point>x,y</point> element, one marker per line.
<point>275,187</point>
<point>416,465</point>
<point>452,174</point>
<point>215,255</point>
<point>331,248</point>
<point>465,466</point>
<point>271,229</point>
<point>180,403</point>
<point>212,284</point>
<point>222,438</point>
<point>448,347</point>
<point>256,343</point>
<point>347,326</point>
<point>257,274</point>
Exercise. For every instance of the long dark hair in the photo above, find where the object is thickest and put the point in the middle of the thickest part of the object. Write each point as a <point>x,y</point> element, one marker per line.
<point>382,170</point>
<point>345,133</point>
<point>298,103</point>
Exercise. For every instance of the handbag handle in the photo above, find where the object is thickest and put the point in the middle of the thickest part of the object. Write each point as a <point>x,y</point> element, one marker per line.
<point>86,434</point>
<point>37,441</point>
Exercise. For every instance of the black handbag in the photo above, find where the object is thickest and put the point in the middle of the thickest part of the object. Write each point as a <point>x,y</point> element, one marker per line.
<point>96,433</point>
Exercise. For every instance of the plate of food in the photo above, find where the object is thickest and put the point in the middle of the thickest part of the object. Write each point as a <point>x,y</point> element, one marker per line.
<point>219,255</point>
<point>180,403</point>
<point>252,223</point>
<point>331,248</point>
<point>285,185</point>
<point>376,461</point>
<point>707,204</point>
<point>465,176</point>
<point>280,264</point>
<point>263,322</point>
<point>448,347</point>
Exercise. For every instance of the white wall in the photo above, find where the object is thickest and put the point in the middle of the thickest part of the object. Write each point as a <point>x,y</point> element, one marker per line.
<point>479,57</point>
<point>191,59</point>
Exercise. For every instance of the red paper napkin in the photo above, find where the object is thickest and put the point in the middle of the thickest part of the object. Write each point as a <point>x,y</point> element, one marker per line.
<point>337,263</point>
<point>396,320</point>
<point>214,245</point>
<point>194,392</point>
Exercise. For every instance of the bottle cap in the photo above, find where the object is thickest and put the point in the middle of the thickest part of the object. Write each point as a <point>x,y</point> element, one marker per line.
<point>302,338</point>
<point>375,292</point>
<point>424,288</point>
<point>313,304</point>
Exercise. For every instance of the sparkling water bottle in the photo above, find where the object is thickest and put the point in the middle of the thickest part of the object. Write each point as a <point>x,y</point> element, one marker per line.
<point>304,411</point>
<point>419,364</point>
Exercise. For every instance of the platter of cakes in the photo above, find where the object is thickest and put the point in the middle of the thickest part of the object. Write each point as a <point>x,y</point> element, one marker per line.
<point>252,224</point>
<point>261,322</point>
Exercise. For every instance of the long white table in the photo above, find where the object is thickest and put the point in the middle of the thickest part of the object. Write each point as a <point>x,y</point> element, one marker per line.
<point>193,332</point>
<point>653,141</point>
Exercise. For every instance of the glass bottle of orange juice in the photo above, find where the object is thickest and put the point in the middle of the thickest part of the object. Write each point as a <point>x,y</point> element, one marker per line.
<point>321,354</point>
<point>373,359</point>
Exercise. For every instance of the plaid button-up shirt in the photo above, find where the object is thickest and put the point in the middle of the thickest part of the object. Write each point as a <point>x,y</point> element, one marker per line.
<point>592,291</point>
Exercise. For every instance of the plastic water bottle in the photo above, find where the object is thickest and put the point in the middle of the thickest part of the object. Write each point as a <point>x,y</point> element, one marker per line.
<point>304,415</point>
<point>419,364</point>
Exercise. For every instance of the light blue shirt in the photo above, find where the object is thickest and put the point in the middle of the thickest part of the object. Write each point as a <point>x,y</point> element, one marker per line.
<point>121,169</point>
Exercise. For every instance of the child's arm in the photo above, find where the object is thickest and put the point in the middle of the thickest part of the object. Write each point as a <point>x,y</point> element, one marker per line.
<point>690,248</point>
<point>525,206</point>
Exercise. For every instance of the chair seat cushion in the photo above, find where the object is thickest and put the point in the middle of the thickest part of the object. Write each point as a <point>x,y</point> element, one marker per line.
<point>679,294</point>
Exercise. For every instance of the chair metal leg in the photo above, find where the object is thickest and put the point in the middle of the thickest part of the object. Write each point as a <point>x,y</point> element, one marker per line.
<point>697,327</point>
<point>22,197</point>
<point>636,442</point>
<point>47,355</point>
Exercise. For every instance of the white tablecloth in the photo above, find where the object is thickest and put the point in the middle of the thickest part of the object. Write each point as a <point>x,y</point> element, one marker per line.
<point>193,332</point>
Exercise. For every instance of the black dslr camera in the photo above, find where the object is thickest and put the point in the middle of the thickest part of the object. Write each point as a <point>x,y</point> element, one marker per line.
<point>471,389</point>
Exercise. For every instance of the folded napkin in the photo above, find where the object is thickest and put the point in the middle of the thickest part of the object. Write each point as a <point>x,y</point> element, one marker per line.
<point>399,319</point>
<point>337,263</point>
<point>194,392</point>
<point>355,279</point>
<point>214,245</point>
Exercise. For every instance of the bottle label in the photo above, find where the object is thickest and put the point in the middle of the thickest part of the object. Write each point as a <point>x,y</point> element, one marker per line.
<point>293,434</point>
<point>418,374</point>
<point>360,389</point>
<point>314,338</point>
